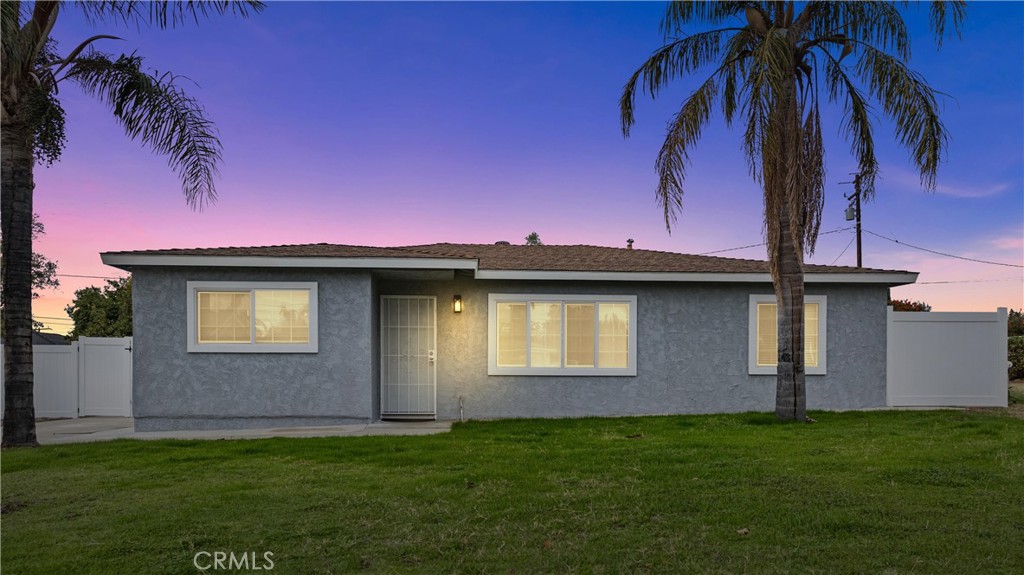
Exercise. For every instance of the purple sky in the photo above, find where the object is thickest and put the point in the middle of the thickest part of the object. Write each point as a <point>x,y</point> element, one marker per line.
<point>400,123</point>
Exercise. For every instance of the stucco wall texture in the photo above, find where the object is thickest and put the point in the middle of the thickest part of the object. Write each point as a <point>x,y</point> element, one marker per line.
<point>691,355</point>
<point>174,389</point>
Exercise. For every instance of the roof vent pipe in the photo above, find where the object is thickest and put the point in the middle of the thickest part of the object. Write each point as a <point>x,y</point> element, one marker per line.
<point>629,244</point>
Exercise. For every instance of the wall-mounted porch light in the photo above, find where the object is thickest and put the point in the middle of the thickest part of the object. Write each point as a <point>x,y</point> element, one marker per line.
<point>457,303</point>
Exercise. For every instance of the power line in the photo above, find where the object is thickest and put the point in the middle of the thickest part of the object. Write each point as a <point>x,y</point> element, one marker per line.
<point>732,249</point>
<point>50,317</point>
<point>844,251</point>
<point>972,281</point>
<point>765,243</point>
<point>943,253</point>
<point>836,231</point>
<point>91,277</point>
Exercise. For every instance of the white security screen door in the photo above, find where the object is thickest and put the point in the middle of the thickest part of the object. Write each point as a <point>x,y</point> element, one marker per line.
<point>408,371</point>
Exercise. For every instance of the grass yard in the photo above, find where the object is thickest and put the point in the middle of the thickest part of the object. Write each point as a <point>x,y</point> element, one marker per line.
<point>862,492</point>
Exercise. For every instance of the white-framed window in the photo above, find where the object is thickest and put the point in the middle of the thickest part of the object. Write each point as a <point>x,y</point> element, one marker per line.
<point>252,317</point>
<point>542,334</point>
<point>764,332</point>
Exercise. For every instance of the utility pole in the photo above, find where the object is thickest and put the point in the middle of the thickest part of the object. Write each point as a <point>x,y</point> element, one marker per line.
<point>853,212</point>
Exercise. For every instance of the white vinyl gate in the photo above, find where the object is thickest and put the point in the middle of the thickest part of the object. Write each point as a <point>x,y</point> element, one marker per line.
<point>408,367</point>
<point>105,376</point>
<point>92,376</point>
<point>947,359</point>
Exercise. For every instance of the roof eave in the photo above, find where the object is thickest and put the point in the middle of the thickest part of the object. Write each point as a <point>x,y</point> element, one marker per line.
<point>126,261</point>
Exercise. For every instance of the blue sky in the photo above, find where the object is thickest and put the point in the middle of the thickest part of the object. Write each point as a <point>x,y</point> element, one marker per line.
<point>397,123</point>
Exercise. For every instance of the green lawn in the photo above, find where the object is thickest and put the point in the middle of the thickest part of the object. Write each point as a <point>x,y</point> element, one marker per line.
<point>869,492</point>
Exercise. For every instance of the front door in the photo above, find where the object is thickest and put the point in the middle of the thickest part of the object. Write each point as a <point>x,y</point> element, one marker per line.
<point>408,367</point>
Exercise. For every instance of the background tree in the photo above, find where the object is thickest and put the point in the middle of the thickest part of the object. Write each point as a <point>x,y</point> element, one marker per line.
<point>908,305</point>
<point>44,271</point>
<point>149,106</point>
<point>533,239</point>
<point>771,66</point>
<point>102,312</point>
<point>1015,323</point>
<point>1015,341</point>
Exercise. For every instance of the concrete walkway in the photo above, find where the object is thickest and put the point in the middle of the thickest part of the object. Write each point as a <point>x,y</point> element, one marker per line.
<point>89,429</point>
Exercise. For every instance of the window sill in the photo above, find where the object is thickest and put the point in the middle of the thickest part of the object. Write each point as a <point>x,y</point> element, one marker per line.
<point>250,348</point>
<point>565,372</point>
<point>772,371</point>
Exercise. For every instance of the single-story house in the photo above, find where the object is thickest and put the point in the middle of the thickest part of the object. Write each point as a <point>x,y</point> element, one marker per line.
<point>325,334</point>
<point>43,338</point>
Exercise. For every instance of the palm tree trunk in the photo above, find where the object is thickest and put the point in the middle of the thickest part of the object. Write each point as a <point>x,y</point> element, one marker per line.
<point>790,392</point>
<point>16,185</point>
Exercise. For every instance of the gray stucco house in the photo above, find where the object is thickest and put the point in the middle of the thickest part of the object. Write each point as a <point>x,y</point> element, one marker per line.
<point>328,334</point>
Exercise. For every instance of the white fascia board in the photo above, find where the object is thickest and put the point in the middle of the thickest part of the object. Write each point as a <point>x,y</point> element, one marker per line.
<point>891,278</point>
<point>872,278</point>
<point>121,260</point>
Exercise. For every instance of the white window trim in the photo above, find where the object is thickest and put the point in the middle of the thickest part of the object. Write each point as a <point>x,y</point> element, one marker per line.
<point>821,368</point>
<point>492,335</point>
<point>252,347</point>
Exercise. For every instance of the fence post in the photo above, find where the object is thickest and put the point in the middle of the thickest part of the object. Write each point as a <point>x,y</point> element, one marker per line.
<point>1004,350</point>
<point>890,353</point>
<point>78,382</point>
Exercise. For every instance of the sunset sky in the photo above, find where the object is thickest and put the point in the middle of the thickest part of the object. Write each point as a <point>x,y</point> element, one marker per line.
<point>406,123</point>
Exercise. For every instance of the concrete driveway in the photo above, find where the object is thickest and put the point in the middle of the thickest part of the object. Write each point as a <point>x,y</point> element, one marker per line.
<point>89,429</point>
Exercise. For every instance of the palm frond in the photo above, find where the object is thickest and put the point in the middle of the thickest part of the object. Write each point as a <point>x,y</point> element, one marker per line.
<point>165,13</point>
<point>59,64</point>
<point>812,179</point>
<point>911,104</point>
<point>940,11</point>
<point>12,62</point>
<point>765,81</point>
<point>682,12</point>
<point>668,63</point>
<point>684,131</point>
<point>10,22</point>
<point>153,109</point>
<point>36,32</point>
<point>737,56</point>
<point>25,35</point>
<point>757,106</point>
<point>856,123</point>
<point>770,72</point>
<point>730,97</point>
<point>879,24</point>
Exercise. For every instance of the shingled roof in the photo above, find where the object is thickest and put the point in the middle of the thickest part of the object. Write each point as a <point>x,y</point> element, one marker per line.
<point>604,259</point>
<point>287,251</point>
<point>543,258</point>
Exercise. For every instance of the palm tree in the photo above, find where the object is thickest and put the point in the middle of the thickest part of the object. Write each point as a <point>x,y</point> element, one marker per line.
<point>771,70</point>
<point>150,107</point>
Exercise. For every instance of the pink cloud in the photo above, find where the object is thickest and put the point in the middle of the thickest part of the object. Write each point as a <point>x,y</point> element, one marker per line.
<point>1010,243</point>
<point>912,181</point>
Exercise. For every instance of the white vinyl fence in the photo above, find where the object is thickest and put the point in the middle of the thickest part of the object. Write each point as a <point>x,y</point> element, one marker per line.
<point>92,376</point>
<point>947,359</point>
